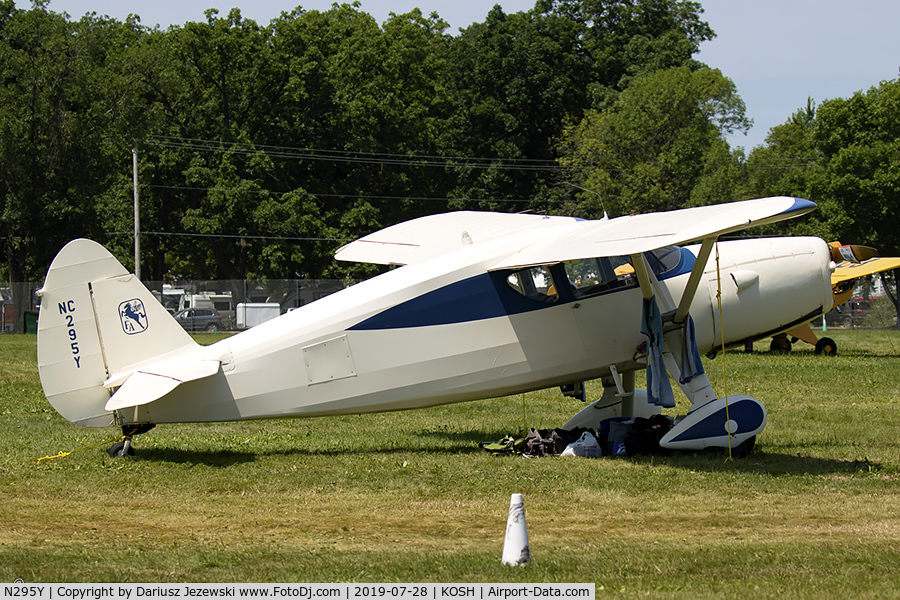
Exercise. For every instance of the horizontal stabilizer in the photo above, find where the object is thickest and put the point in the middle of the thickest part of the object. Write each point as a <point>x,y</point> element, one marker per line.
<point>154,382</point>
<point>96,319</point>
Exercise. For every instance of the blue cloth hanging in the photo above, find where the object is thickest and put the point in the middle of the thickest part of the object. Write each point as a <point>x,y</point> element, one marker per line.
<point>659,390</point>
<point>691,366</point>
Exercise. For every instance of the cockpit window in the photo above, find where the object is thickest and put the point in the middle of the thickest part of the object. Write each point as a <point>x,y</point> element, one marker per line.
<point>596,275</point>
<point>592,276</point>
<point>535,283</point>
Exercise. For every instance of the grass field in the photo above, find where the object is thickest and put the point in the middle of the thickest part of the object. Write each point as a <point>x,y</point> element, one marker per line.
<point>409,497</point>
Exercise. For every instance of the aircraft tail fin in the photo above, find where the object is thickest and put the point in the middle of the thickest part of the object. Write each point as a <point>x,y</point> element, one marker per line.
<point>97,323</point>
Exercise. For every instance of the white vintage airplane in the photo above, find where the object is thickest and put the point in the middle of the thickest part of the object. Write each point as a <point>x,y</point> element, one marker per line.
<point>486,305</point>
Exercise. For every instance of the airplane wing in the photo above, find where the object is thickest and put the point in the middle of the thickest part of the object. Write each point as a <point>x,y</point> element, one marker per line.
<point>642,233</point>
<point>846,271</point>
<point>155,381</point>
<point>565,238</point>
<point>433,235</point>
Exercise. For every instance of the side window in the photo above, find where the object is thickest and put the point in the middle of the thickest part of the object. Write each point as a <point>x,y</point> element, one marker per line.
<point>535,283</point>
<point>596,275</point>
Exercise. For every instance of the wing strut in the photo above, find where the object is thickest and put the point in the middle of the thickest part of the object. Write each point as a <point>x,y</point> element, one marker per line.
<point>650,286</point>
<point>677,337</point>
<point>694,281</point>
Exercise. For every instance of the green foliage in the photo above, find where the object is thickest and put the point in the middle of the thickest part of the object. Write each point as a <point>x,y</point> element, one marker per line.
<point>273,144</point>
<point>859,139</point>
<point>64,93</point>
<point>844,154</point>
<point>266,147</point>
<point>656,144</point>
<point>517,79</point>
<point>626,39</point>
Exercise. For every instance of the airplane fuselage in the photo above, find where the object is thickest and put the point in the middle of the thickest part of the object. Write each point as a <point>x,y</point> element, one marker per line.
<point>449,329</point>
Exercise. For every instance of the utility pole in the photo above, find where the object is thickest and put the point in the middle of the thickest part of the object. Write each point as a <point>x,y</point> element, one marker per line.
<point>137,214</point>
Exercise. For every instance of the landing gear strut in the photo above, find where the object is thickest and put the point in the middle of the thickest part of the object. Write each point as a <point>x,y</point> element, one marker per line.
<point>124,447</point>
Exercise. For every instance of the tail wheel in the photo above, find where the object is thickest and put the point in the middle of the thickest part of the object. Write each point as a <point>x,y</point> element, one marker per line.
<point>121,448</point>
<point>826,346</point>
<point>124,447</point>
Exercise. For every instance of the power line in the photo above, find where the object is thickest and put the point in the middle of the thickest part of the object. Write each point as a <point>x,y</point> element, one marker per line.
<point>352,156</point>
<point>346,156</point>
<point>235,236</point>
<point>360,196</point>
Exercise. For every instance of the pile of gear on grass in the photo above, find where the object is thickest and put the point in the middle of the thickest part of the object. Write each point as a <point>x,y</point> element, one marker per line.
<point>619,436</point>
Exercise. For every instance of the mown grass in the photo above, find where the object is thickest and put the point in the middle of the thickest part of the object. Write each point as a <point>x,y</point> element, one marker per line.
<point>814,512</point>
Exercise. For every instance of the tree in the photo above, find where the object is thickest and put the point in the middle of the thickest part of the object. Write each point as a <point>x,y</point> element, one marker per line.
<point>859,142</point>
<point>513,80</point>
<point>62,96</point>
<point>626,39</point>
<point>223,84</point>
<point>517,79</point>
<point>274,144</point>
<point>652,148</point>
<point>790,165</point>
<point>844,154</point>
<point>363,110</point>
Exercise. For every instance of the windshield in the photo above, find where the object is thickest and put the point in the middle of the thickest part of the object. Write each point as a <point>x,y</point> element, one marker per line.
<point>595,275</point>
<point>663,260</point>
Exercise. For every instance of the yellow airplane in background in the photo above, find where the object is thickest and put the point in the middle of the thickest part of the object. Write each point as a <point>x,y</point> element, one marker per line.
<point>852,263</point>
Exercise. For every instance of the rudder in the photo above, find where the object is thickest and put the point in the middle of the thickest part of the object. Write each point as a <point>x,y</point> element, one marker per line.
<point>96,323</point>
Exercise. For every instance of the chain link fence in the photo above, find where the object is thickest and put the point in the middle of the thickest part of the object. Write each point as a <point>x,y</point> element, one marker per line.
<point>226,296</point>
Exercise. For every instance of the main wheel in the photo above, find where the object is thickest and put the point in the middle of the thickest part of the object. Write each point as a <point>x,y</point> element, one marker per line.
<point>780,344</point>
<point>743,449</point>
<point>826,346</point>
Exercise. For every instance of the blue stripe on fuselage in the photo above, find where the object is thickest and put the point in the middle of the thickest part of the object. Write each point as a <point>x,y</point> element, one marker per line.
<point>471,299</point>
<point>485,296</point>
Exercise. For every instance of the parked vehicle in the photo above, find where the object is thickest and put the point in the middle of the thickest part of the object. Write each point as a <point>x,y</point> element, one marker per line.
<point>222,303</point>
<point>252,314</point>
<point>200,319</point>
<point>850,314</point>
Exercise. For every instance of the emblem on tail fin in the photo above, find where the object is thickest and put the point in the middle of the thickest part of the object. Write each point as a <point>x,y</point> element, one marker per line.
<point>133,316</point>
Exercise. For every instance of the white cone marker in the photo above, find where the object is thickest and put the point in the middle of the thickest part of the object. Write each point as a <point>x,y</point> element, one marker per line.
<point>515,545</point>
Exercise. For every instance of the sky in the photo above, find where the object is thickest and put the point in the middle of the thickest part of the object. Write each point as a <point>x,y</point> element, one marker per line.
<point>779,53</point>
